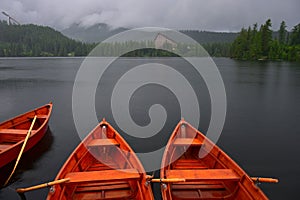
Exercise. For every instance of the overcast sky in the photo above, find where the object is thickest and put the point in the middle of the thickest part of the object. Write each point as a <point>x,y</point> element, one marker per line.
<point>214,15</point>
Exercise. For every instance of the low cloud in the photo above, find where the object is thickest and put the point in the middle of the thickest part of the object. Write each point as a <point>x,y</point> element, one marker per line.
<point>218,15</point>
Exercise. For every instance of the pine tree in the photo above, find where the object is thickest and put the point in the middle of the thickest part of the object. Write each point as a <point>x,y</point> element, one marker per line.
<point>266,37</point>
<point>295,35</point>
<point>282,33</point>
<point>255,45</point>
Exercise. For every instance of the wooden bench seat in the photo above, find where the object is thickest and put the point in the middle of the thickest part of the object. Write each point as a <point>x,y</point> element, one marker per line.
<point>42,116</point>
<point>105,175</point>
<point>14,135</point>
<point>103,142</point>
<point>5,146</point>
<point>15,131</point>
<point>204,174</point>
<point>187,141</point>
<point>38,116</point>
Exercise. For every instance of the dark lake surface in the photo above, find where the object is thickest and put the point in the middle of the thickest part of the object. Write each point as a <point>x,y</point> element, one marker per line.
<point>261,131</point>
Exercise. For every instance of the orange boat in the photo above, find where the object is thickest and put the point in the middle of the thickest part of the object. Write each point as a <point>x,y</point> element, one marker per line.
<point>14,131</point>
<point>208,172</point>
<point>103,166</point>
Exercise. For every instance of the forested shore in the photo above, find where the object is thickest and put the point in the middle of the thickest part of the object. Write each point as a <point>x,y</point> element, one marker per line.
<point>260,43</point>
<point>253,43</point>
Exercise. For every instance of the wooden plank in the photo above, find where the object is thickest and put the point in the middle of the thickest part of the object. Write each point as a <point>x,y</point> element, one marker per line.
<point>190,164</point>
<point>103,142</point>
<point>102,187</point>
<point>206,174</point>
<point>15,131</point>
<point>105,175</point>
<point>183,160</point>
<point>190,167</point>
<point>200,183</point>
<point>187,141</point>
<point>101,166</point>
<point>42,116</point>
<point>102,183</point>
<point>196,187</point>
<point>115,194</point>
<point>5,146</point>
<point>119,194</point>
<point>13,135</point>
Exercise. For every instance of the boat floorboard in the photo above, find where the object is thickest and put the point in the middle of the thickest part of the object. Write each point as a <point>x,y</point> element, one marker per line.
<point>115,194</point>
<point>197,186</point>
<point>100,166</point>
<point>208,190</point>
<point>98,187</point>
<point>199,194</point>
<point>189,164</point>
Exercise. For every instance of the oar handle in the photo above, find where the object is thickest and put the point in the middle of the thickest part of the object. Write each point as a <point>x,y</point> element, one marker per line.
<point>23,190</point>
<point>22,149</point>
<point>167,180</point>
<point>264,180</point>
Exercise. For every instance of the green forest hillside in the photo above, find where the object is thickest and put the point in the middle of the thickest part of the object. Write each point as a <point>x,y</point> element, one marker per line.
<point>249,44</point>
<point>34,40</point>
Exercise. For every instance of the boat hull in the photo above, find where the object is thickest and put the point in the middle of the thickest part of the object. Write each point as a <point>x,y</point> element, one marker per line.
<point>13,133</point>
<point>103,166</point>
<point>208,172</point>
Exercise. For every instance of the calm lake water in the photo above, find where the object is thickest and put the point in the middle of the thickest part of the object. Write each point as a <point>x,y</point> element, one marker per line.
<point>261,131</point>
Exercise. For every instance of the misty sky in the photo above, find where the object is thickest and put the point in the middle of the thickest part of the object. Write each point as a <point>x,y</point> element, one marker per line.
<point>213,15</point>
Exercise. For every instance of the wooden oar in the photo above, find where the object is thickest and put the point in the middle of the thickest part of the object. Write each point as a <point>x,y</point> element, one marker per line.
<point>174,180</point>
<point>163,180</point>
<point>43,185</point>
<point>22,149</point>
<point>167,180</point>
<point>264,180</point>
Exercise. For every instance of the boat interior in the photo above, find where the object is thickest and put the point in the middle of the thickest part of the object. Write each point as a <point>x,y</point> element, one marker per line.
<point>15,130</point>
<point>208,171</point>
<point>102,168</point>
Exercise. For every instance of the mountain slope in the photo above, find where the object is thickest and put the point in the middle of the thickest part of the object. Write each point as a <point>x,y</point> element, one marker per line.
<point>100,32</point>
<point>34,40</point>
<point>96,33</point>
